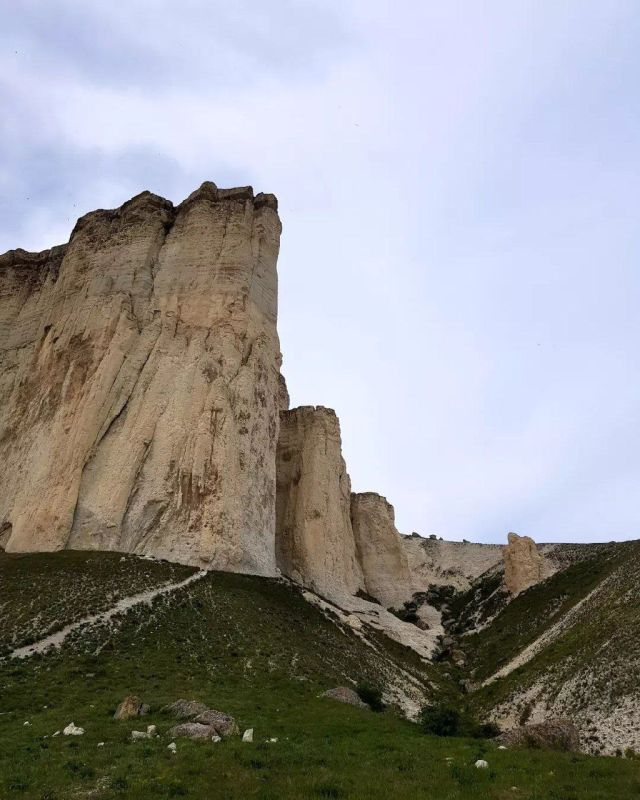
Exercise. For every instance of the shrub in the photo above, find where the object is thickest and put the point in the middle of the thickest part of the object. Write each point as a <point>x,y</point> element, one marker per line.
<point>486,730</point>
<point>441,720</point>
<point>408,613</point>
<point>370,695</point>
<point>448,720</point>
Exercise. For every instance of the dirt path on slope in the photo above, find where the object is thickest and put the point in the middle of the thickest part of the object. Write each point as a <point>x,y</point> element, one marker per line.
<point>56,639</point>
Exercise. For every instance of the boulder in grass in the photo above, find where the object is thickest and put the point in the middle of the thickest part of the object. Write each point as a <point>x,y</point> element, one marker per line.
<point>554,734</point>
<point>185,709</point>
<point>224,724</point>
<point>191,730</point>
<point>343,694</point>
<point>130,707</point>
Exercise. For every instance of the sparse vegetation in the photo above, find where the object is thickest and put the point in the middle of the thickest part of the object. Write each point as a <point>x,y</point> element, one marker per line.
<point>444,719</point>
<point>371,695</point>
<point>254,648</point>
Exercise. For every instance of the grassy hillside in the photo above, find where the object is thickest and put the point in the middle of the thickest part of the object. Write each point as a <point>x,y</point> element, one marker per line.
<point>254,648</point>
<point>42,592</point>
<point>531,613</point>
<point>574,641</point>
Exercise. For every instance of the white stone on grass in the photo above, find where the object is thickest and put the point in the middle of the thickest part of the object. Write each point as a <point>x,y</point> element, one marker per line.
<point>73,730</point>
<point>247,736</point>
<point>481,764</point>
<point>173,747</point>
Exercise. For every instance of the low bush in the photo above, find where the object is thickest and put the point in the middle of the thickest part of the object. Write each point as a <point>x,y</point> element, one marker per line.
<point>370,695</point>
<point>449,720</point>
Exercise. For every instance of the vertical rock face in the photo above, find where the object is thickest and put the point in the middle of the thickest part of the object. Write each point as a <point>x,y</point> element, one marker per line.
<point>314,538</point>
<point>139,382</point>
<point>380,551</point>
<point>523,564</point>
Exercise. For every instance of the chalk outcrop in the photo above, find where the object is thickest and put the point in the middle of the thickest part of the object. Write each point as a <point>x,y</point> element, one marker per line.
<point>379,550</point>
<point>314,543</point>
<point>142,410</point>
<point>139,383</point>
<point>523,564</point>
<point>553,734</point>
<point>435,562</point>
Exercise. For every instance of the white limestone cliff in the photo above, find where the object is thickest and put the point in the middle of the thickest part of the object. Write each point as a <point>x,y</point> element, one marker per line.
<point>314,538</point>
<point>379,550</point>
<point>435,562</point>
<point>139,380</point>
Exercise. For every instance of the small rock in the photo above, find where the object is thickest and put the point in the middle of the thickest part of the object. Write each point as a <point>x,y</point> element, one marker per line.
<point>502,747</point>
<point>73,730</point>
<point>24,724</point>
<point>343,694</point>
<point>172,747</point>
<point>139,735</point>
<point>216,738</point>
<point>131,707</point>
<point>481,764</point>
<point>57,733</point>
<point>224,724</point>
<point>247,736</point>
<point>191,730</point>
<point>183,709</point>
<point>152,730</point>
<point>100,744</point>
<point>275,739</point>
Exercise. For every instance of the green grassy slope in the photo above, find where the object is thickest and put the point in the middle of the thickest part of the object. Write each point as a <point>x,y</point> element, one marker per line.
<point>41,593</point>
<point>527,617</point>
<point>254,648</point>
<point>588,667</point>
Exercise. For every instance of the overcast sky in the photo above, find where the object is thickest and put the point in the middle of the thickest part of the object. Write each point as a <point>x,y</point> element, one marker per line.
<point>459,184</point>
